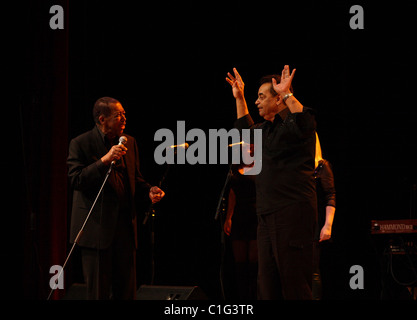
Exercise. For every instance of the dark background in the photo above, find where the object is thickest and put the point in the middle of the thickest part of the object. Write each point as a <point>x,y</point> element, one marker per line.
<point>167,61</point>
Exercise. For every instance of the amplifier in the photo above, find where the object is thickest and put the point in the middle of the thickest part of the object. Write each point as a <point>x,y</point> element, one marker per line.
<point>393,226</point>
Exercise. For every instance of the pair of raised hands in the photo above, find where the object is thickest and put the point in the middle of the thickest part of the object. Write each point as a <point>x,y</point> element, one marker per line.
<point>281,88</point>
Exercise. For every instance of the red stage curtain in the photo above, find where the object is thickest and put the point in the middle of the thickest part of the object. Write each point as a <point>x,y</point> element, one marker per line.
<point>44,136</point>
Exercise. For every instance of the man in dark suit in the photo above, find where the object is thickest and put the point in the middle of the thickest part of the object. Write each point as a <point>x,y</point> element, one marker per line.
<point>109,239</point>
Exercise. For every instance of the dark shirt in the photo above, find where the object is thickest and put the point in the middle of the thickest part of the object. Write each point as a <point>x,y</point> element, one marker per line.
<point>245,192</point>
<point>118,178</point>
<point>244,214</point>
<point>326,192</point>
<point>288,150</point>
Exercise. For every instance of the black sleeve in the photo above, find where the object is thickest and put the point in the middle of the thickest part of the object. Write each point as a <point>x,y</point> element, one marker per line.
<point>83,175</point>
<point>327,182</point>
<point>244,122</point>
<point>141,185</point>
<point>305,120</point>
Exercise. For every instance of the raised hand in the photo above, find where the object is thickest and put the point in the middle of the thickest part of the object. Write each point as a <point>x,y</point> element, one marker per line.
<point>237,84</point>
<point>283,87</point>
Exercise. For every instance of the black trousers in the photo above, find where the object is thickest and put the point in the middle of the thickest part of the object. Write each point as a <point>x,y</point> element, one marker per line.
<point>285,253</point>
<point>111,273</point>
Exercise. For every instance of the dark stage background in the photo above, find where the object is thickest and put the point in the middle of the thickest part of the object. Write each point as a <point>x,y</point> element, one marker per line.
<point>167,61</point>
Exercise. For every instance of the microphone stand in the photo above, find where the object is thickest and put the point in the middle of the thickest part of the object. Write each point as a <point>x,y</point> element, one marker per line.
<point>221,199</point>
<point>77,238</point>
<point>221,208</point>
<point>151,212</point>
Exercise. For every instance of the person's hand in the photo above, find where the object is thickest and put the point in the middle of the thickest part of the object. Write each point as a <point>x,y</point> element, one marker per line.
<point>237,84</point>
<point>283,87</point>
<point>115,153</point>
<point>228,226</point>
<point>325,233</point>
<point>156,194</point>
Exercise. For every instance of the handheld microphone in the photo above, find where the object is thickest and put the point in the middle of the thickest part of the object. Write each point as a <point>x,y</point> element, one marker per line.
<point>241,143</point>
<point>176,146</point>
<point>122,141</point>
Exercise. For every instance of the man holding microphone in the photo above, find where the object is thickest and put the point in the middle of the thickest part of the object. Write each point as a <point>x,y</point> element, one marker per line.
<point>109,240</point>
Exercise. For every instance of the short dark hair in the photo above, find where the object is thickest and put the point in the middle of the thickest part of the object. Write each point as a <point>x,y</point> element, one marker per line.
<point>102,107</point>
<point>268,79</point>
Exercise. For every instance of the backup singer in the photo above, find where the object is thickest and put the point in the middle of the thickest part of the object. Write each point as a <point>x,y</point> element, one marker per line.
<point>109,241</point>
<point>285,188</point>
<point>241,225</point>
<point>326,205</point>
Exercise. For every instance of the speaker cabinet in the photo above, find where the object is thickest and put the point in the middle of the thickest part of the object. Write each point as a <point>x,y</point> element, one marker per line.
<point>146,292</point>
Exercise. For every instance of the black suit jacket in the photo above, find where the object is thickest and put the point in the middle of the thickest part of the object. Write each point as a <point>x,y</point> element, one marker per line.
<point>86,173</point>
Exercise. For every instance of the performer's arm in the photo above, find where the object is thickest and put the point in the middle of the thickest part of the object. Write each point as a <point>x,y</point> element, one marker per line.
<point>154,192</point>
<point>326,231</point>
<point>238,87</point>
<point>283,89</point>
<point>327,182</point>
<point>83,176</point>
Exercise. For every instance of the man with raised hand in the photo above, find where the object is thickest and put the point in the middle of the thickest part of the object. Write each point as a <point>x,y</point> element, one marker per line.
<point>285,188</point>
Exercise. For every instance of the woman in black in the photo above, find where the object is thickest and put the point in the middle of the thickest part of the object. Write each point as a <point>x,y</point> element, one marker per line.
<point>326,204</point>
<point>242,207</point>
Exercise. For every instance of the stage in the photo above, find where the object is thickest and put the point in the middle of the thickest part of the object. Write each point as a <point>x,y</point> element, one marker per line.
<point>167,62</point>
